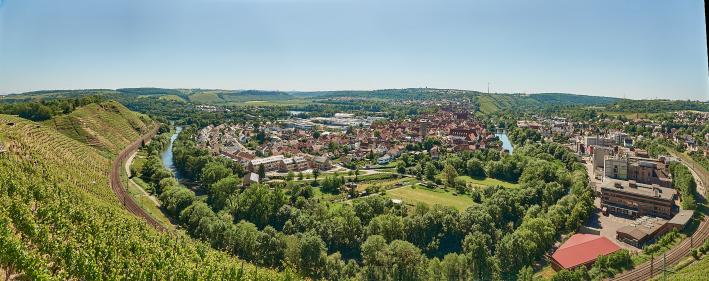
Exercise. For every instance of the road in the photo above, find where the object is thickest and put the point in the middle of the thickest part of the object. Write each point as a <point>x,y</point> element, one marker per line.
<point>649,269</point>
<point>120,190</point>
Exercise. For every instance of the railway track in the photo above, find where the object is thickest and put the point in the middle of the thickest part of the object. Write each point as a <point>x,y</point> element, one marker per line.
<point>120,190</point>
<point>655,267</point>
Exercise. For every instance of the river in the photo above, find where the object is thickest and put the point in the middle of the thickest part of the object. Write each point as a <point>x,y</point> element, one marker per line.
<point>506,144</point>
<point>167,157</point>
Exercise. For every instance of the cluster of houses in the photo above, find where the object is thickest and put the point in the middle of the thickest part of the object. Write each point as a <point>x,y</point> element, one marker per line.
<point>457,130</point>
<point>296,145</point>
<point>548,127</point>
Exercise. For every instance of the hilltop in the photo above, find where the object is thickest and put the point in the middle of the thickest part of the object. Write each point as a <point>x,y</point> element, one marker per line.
<point>60,220</point>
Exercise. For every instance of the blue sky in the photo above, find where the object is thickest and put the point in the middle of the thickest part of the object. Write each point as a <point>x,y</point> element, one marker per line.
<point>622,48</point>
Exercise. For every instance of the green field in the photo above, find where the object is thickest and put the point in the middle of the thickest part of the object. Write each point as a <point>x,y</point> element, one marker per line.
<point>488,182</point>
<point>412,196</point>
<point>205,97</point>
<point>172,98</point>
<point>269,102</point>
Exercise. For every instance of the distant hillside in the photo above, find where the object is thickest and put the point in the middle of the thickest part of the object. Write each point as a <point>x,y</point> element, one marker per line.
<point>571,99</point>
<point>59,219</point>
<point>192,95</point>
<point>654,106</point>
<point>395,94</point>
<point>490,103</point>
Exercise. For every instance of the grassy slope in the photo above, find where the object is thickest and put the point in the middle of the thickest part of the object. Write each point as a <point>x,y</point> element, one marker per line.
<point>697,271</point>
<point>205,97</point>
<point>107,126</point>
<point>54,191</point>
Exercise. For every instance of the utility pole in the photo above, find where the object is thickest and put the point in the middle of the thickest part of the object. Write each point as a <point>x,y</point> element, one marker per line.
<point>652,264</point>
<point>664,266</point>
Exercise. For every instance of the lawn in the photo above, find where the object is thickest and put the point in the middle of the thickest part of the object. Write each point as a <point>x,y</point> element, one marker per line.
<point>385,184</point>
<point>482,182</point>
<point>412,196</point>
<point>488,182</point>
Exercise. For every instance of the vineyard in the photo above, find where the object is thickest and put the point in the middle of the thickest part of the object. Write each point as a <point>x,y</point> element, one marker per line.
<point>107,126</point>
<point>59,219</point>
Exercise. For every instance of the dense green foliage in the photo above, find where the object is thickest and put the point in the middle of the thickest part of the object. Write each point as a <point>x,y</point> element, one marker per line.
<point>45,109</point>
<point>658,106</point>
<point>289,227</point>
<point>683,181</point>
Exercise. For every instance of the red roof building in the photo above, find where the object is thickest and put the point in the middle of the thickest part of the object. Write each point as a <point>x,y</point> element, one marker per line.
<point>582,249</point>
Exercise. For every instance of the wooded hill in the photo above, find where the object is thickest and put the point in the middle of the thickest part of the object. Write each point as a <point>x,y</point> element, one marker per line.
<point>59,219</point>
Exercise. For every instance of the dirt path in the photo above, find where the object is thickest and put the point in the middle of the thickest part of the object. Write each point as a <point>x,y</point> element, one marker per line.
<point>120,190</point>
<point>129,162</point>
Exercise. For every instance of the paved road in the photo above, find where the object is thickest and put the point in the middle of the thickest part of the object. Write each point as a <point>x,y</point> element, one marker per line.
<point>120,190</point>
<point>649,269</point>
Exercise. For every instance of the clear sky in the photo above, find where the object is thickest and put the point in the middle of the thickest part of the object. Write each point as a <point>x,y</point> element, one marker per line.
<point>622,48</point>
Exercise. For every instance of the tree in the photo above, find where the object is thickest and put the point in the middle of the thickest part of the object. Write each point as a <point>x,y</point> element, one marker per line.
<point>256,204</point>
<point>475,248</point>
<point>460,185</point>
<point>526,274</point>
<point>272,246</point>
<point>177,199</point>
<point>312,257</point>
<point>400,167</point>
<point>290,176</point>
<point>220,191</point>
<point>356,173</point>
<point>455,267</point>
<point>450,174</point>
<point>475,168</point>
<point>406,261</point>
<point>430,171</point>
<point>388,226</point>
<point>316,173</point>
<point>332,184</point>
<point>213,172</point>
<point>375,257</point>
<point>261,172</point>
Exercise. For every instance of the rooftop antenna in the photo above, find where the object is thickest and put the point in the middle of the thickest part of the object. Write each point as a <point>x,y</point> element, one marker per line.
<point>488,87</point>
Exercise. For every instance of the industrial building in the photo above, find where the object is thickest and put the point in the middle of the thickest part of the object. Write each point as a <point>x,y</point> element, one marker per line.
<point>581,250</point>
<point>632,199</point>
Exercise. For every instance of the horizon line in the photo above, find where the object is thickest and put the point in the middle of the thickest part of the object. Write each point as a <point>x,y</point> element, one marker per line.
<point>347,90</point>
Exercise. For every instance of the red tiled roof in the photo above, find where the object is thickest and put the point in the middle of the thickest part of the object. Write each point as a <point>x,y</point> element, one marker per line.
<point>583,248</point>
